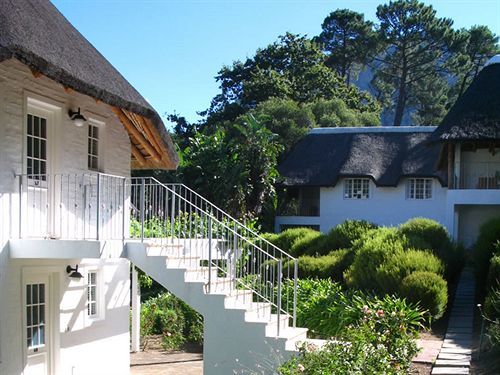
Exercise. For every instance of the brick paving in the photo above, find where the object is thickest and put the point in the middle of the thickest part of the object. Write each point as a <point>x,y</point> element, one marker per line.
<point>455,354</point>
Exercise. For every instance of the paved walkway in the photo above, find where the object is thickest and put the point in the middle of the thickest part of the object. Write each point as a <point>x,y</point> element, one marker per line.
<point>160,362</point>
<point>455,354</point>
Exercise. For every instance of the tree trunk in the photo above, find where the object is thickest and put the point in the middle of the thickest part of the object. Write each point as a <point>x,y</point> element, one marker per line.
<point>400,106</point>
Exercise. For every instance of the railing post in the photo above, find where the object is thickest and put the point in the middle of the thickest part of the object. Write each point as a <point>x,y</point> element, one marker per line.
<point>295,275</point>
<point>98,206</point>
<point>209,222</point>
<point>20,206</point>
<point>142,208</point>
<point>172,215</point>
<point>278,302</point>
<point>124,188</point>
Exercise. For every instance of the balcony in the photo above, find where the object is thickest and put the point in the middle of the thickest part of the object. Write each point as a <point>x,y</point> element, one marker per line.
<point>479,175</point>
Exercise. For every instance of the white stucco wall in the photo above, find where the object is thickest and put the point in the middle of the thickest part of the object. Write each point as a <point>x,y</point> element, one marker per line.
<point>100,347</point>
<point>386,206</point>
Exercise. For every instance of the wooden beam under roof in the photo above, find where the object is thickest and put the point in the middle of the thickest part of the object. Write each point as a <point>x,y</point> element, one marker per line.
<point>139,137</point>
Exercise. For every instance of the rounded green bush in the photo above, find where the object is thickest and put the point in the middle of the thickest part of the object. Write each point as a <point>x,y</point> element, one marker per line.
<point>403,263</point>
<point>342,236</point>
<point>489,234</point>
<point>427,289</point>
<point>428,234</point>
<point>331,266</point>
<point>307,244</point>
<point>287,238</point>
<point>373,249</point>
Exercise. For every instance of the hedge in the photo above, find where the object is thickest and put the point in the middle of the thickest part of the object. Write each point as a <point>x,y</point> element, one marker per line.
<point>489,234</point>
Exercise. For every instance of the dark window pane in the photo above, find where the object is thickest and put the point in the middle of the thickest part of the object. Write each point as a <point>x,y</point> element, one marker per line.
<point>28,315</point>
<point>36,147</point>
<point>35,315</point>
<point>30,125</point>
<point>42,334</point>
<point>35,293</point>
<point>28,294</point>
<point>42,293</point>
<point>43,128</point>
<point>35,337</point>
<point>36,126</point>
<point>43,150</point>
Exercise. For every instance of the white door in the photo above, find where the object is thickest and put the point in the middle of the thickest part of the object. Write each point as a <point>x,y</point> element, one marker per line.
<point>36,215</point>
<point>36,325</point>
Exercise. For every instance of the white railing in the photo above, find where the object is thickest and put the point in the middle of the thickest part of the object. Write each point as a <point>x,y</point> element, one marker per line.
<point>479,175</point>
<point>233,255</point>
<point>72,206</point>
<point>97,206</point>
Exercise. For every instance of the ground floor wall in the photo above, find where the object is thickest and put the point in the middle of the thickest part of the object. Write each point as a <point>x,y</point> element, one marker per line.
<point>385,206</point>
<point>470,218</point>
<point>79,344</point>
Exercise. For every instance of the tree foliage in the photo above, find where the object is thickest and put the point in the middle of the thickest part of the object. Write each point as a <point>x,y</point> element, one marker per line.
<point>347,40</point>
<point>291,68</point>
<point>417,47</point>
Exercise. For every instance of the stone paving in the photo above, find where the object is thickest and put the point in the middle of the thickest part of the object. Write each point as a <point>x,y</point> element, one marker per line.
<point>157,362</point>
<point>455,354</point>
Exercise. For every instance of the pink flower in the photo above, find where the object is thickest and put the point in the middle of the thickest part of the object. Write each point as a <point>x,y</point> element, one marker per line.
<point>380,313</point>
<point>366,310</point>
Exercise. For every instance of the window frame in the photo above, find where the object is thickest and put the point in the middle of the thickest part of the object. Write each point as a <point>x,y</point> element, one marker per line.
<point>99,295</point>
<point>412,190</point>
<point>91,152</point>
<point>349,188</point>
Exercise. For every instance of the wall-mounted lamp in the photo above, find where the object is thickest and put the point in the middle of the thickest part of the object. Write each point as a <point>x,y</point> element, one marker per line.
<point>77,118</point>
<point>73,272</point>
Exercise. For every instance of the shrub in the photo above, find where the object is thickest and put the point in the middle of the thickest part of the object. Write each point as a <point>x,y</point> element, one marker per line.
<point>427,289</point>
<point>388,275</point>
<point>287,238</point>
<point>309,243</point>
<point>373,249</point>
<point>375,335</point>
<point>327,310</point>
<point>342,236</point>
<point>169,316</point>
<point>494,270</point>
<point>427,234</point>
<point>331,266</point>
<point>489,234</point>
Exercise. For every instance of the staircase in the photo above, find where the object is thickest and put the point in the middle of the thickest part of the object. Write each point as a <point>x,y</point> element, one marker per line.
<point>244,286</point>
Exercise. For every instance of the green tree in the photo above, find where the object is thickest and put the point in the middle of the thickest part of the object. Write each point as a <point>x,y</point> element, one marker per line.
<point>481,45</point>
<point>347,39</point>
<point>291,68</point>
<point>417,46</point>
<point>234,167</point>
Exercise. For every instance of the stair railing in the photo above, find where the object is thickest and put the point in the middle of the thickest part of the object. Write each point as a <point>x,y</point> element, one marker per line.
<point>232,256</point>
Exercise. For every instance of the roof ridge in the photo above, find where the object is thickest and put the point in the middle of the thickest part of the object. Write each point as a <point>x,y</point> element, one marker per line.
<point>374,129</point>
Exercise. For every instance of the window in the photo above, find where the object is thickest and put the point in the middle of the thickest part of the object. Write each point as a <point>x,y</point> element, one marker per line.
<point>357,188</point>
<point>93,148</point>
<point>419,188</point>
<point>36,148</point>
<point>35,315</point>
<point>92,308</point>
<point>299,201</point>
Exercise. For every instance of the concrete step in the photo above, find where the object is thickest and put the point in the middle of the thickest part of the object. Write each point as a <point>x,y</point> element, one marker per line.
<point>457,357</point>
<point>450,371</point>
<point>456,350</point>
<point>452,363</point>
<point>200,273</point>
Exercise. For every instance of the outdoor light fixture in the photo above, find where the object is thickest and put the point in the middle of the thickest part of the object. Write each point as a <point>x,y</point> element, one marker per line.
<point>77,117</point>
<point>73,272</point>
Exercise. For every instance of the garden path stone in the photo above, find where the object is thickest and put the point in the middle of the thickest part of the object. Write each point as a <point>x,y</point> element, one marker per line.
<point>455,354</point>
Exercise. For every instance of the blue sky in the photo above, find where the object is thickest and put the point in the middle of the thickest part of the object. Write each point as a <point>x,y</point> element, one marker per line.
<point>170,50</point>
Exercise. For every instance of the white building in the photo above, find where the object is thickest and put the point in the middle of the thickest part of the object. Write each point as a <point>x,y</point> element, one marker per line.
<point>71,130</point>
<point>387,175</point>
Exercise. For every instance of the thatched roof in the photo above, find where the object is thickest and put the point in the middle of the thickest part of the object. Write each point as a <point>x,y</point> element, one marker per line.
<point>384,154</point>
<point>476,114</point>
<point>37,34</point>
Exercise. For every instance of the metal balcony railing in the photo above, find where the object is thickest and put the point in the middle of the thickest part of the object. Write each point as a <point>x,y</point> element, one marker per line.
<point>479,175</point>
<point>230,255</point>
